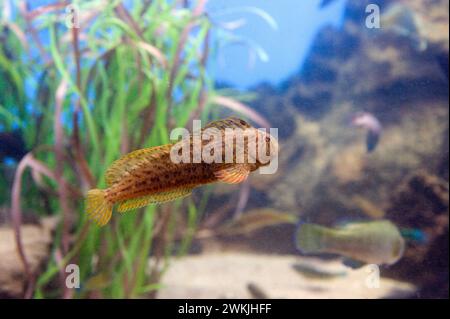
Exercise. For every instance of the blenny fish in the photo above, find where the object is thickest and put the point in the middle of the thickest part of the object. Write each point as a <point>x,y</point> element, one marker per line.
<point>150,176</point>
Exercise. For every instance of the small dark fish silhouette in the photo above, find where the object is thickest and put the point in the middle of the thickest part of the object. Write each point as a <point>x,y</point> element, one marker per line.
<point>12,145</point>
<point>325,3</point>
<point>256,291</point>
<point>372,125</point>
<point>309,271</point>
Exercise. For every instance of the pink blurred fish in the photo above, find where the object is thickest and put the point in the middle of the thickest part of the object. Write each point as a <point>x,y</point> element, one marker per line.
<point>373,126</point>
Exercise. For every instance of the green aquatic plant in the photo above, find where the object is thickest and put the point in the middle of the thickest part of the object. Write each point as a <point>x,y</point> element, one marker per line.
<point>110,79</point>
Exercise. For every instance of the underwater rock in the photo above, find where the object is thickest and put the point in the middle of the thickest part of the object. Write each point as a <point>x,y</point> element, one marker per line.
<point>331,165</point>
<point>422,202</point>
<point>36,240</point>
<point>323,163</point>
<point>351,69</point>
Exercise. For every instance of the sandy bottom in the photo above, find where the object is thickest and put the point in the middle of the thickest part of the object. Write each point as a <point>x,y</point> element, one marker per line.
<point>227,275</point>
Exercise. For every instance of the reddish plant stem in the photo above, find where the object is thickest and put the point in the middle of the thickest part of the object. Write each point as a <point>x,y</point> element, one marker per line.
<point>59,153</point>
<point>78,152</point>
<point>198,10</point>
<point>23,8</point>
<point>149,118</point>
<point>16,216</point>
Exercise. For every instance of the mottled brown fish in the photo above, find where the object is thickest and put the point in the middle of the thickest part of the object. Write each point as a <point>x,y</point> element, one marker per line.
<point>150,175</point>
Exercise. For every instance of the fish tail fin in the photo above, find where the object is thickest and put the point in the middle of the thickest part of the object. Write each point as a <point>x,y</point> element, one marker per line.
<point>98,207</point>
<point>310,238</point>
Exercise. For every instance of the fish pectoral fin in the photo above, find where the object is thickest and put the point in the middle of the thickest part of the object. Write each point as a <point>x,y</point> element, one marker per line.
<point>124,165</point>
<point>233,174</point>
<point>153,199</point>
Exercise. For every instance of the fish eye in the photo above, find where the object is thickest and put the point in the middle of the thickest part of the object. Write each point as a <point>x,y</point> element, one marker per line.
<point>267,139</point>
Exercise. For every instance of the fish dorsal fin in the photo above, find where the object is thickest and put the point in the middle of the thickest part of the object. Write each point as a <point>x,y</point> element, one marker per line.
<point>230,122</point>
<point>233,174</point>
<point>123,166</point>
<point>153,199</point>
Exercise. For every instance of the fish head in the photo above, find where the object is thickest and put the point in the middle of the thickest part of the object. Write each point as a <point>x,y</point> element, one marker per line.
<point>256,146</point>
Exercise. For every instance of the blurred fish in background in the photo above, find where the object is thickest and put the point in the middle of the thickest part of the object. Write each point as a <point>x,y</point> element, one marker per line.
<point>375,242</point>
<point>325,3</point>
<point>309,271</point>
<point>373,126</point>
<point>255,220</point>
<point>256,292</point>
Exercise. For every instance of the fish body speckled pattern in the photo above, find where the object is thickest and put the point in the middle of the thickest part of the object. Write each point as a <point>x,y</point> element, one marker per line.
<point>150,176</point>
